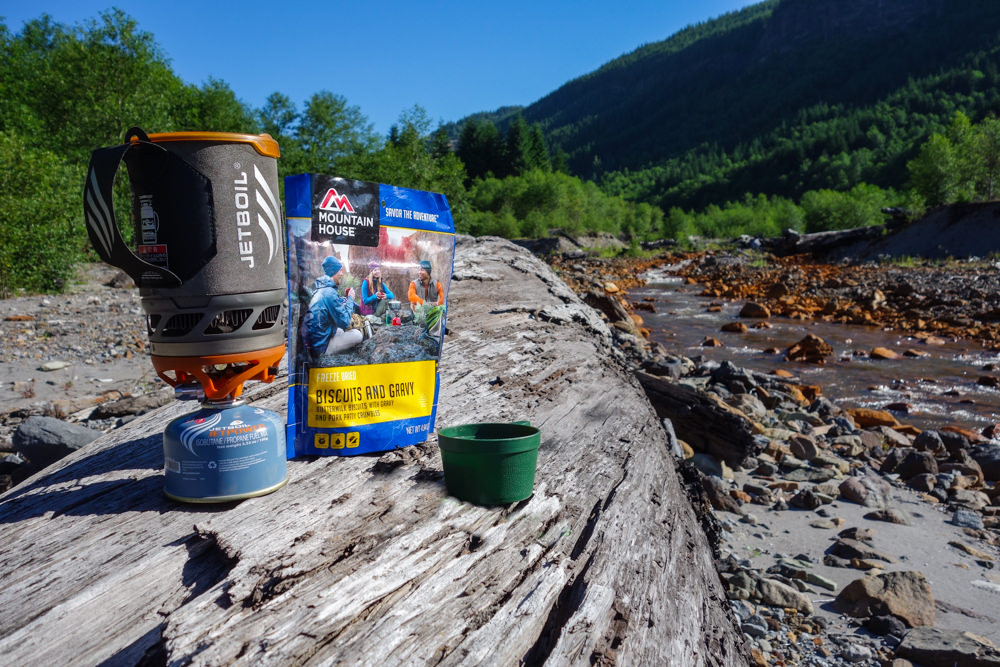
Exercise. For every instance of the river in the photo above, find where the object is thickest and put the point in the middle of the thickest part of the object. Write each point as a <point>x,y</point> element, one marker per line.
<point>938,389</point>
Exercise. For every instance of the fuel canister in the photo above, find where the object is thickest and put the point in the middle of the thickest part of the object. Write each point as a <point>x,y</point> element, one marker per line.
<point>223,452</point>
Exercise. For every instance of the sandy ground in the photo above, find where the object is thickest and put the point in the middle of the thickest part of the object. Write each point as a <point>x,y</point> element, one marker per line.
<point>954,576</point>
<point>94,335</point>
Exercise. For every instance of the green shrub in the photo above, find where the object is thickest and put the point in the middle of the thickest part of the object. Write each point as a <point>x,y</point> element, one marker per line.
<point>42,234</point>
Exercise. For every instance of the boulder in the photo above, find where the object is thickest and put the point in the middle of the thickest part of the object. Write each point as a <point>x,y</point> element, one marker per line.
<point>811,349</point>
<point>753,310</point>
<point>893,459</point>
<point>905,595</point>
<point>934,647</point>
<point>803,447</point>
<point>848,548</point>
<point>45,440</point>
<point>917,463</point>
<point>718,496</point>
<point>869,490</point>
<point>777,594</point>
<point>988,458</point>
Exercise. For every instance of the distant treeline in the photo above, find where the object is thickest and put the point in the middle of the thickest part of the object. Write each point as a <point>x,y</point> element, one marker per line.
<point>66,91</point>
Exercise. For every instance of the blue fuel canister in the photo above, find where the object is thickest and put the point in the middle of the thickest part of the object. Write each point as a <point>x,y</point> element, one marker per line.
<point>225,451</point>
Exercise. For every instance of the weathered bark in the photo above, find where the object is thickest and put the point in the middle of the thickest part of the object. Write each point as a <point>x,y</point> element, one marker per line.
<point>366,559</point>
<point>704,424</point>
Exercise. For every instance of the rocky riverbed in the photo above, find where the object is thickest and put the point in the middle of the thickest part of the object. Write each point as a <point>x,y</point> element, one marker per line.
<point>843,536</point>
<point>77,359</point>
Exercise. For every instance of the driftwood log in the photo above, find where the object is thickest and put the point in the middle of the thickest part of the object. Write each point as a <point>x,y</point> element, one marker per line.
<point>794,243</point>
<point>366,560</point>
<point>705,424</point>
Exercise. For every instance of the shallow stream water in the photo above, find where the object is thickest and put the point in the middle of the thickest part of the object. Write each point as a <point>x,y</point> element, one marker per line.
<point>938,390</point>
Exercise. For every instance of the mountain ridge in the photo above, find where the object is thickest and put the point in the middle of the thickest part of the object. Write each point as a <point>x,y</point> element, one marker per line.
<point>729,94</point>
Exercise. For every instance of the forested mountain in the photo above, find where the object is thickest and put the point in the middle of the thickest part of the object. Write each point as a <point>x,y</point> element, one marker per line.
<point>782,97</point>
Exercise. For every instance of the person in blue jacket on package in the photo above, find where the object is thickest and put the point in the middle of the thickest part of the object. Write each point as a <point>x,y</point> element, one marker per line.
<point>326,327</point>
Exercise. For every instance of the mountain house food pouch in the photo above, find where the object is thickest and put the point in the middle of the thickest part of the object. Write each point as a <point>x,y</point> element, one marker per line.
<point>369,267</point>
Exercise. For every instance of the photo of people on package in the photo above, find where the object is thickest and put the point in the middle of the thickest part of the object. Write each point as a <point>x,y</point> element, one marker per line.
<point>350,313</point>
<point>327,327</point>
<point>375,294</point>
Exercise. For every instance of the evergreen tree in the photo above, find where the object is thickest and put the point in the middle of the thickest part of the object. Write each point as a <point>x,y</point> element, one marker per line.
<point>517,148</point>
<point>538,154</point>
<point>440,143</point>
<point>480,148</point>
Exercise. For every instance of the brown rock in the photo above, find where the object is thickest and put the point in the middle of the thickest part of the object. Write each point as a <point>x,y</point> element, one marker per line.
<point>972,551</point>
<point>903,594</point>
<point>924,483</point>
<point>848,548</point>
<point>883,353</point>
<point>861,534</point>
<point>712,342</point>
<point>870,490</point>
<point>889,515</point>
<point>718,496</point>
<point>753,310</point>
<point>734,327</point>
<point>803,447</point>
<point>868,418</point>
<point>917,463</point>
<point>811,349</point>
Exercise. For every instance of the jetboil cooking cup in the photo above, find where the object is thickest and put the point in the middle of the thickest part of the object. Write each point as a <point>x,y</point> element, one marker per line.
<point>209,251</point>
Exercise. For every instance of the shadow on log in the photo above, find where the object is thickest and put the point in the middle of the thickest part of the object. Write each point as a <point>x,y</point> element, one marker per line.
<point>366,560</point>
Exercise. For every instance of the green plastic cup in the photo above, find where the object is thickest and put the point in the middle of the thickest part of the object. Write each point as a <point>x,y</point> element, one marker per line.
<point>490,464</point>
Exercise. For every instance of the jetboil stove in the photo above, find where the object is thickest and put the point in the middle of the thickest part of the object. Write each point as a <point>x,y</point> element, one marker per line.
<point>208,258</point>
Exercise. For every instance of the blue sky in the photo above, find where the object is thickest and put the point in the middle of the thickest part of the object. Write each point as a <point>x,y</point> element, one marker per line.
<point>451,58</point>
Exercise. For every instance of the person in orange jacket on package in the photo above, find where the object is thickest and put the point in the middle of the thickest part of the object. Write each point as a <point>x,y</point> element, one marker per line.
<point>423,289</point>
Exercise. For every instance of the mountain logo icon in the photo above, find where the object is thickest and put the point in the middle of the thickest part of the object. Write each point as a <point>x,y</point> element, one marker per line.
<point>333,201</point>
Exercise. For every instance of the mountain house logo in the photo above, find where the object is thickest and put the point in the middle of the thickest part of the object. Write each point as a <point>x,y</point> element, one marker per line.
<point>332,201</point>
<point>345,211</point>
